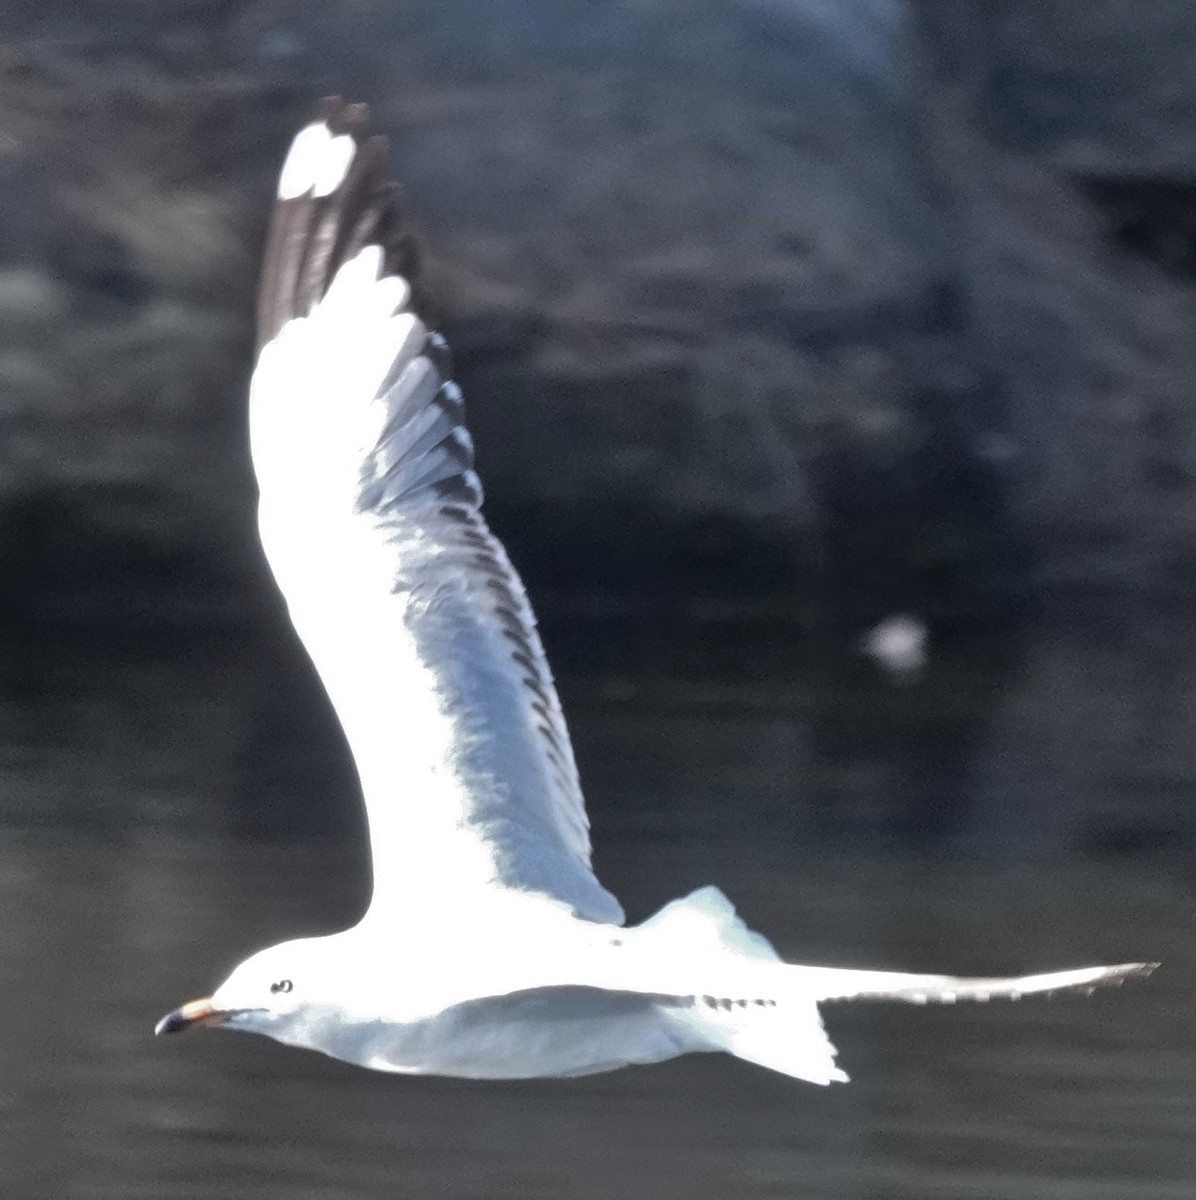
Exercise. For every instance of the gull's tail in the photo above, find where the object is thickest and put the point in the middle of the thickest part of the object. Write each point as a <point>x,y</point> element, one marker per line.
<point>766,1011</point>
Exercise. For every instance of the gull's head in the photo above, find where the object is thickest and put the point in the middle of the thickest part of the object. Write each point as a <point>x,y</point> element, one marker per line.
<point>266,990</point>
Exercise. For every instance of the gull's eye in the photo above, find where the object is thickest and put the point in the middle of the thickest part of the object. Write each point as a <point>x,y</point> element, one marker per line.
<point>283,985</point>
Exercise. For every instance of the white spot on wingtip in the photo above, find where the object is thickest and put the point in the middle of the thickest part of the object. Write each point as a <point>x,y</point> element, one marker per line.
<point>298,171</point>
<point>317,162</point>
<point>334,165</point>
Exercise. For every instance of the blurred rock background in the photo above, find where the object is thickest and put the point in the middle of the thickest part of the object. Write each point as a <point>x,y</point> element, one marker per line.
<point>791,306</point>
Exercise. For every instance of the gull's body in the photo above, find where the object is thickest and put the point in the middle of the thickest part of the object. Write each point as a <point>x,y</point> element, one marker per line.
<point>489,950</point>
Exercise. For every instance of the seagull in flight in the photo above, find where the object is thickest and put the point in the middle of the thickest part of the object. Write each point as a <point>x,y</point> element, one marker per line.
<point>489,950</point>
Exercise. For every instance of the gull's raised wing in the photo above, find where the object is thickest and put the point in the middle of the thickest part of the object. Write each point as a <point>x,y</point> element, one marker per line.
<point>370,518</point>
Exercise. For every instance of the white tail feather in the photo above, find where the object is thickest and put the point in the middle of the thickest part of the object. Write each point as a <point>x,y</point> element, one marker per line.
<point>753,1012</point>
<point>783,1035</point>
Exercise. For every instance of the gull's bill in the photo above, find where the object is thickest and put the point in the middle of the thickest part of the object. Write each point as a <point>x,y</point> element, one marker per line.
<point>190,1015</point>
<point>490,949</point>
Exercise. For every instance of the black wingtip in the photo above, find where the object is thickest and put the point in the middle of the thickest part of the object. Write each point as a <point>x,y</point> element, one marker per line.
<point>334,199</point>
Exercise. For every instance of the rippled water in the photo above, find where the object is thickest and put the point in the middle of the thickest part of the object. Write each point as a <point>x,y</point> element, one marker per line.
<point>167,811</point>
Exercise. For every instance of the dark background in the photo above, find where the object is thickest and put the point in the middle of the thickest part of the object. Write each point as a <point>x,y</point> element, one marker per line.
<point>774,318</point>
<point>853,305</point>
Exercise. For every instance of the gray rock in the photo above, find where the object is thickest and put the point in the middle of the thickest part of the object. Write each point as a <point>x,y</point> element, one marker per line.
<point>1095,86</point>
<point>746,305</point>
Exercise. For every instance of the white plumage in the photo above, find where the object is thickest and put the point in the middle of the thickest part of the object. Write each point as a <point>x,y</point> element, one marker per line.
<point>490,949</point>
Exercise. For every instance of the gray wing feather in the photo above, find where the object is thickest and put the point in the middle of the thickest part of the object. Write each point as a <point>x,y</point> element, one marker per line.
<point>417,622</point>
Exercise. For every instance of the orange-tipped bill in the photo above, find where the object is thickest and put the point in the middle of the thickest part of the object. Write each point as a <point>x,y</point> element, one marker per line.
<point>197,1012</point>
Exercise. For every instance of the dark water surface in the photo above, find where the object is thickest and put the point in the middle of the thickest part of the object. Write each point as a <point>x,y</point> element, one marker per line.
<point>1025,807</point>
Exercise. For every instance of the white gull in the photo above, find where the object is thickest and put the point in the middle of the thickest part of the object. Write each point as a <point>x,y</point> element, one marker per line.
<point>489,950</point>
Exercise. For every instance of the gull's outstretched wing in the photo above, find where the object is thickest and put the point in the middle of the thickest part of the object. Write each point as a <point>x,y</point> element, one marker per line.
<point>831,983</point>
<point>408,605</point>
